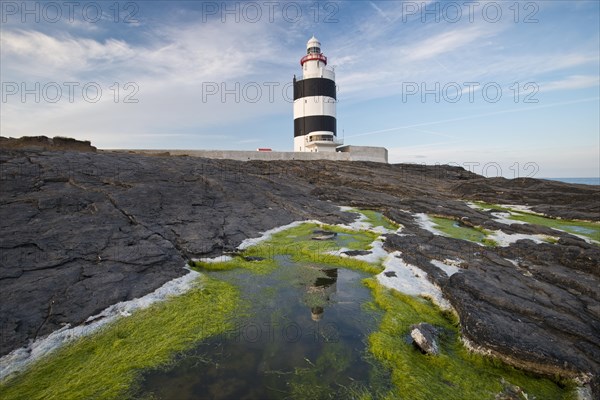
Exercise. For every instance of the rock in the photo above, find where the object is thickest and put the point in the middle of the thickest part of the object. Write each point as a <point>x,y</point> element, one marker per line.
<point>511,392</point>
<point>253,258</point>
<point>539,310</point>
<point>353,253</point>
<point>390,274</point>
<point>82,231</point>
<point>323,235</point>
<point>425,337</point>
<point>543,196</point>
<point>46,143</point>
<point>323,232</point>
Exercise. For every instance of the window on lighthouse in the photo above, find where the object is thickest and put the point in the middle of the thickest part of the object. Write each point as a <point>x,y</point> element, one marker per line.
<point>313,50</point>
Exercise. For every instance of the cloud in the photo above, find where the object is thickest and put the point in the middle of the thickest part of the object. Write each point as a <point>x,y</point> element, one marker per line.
<point>445,42</point>
<point>380,11</point>
<point>375,48</point>
<point>571,82</point>
<point>169,69</point>
<point>35,54</point>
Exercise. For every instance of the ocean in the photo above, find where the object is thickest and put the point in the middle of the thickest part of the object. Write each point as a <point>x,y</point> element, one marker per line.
<point>583,181</point>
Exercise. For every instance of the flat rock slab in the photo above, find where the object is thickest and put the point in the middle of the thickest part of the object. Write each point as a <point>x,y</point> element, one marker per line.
<point>83,231</point>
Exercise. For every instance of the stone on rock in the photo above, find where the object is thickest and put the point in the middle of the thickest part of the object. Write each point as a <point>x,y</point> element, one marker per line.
<point>253,258</point>
<point>353,253</point>
<point>511,392</point>
<point>323,235</point>
<point>425,337</point>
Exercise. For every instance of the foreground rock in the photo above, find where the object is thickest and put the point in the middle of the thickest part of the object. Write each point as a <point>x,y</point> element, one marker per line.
<point>534,305</point>
<point>84,230</point>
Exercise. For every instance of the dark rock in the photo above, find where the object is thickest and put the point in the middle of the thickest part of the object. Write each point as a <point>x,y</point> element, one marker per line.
<point>82,231</point>
<point>390,274</point>
<point>548,197</point>
<point>353,253</point>
<point>45,143</point>
<point>253,258</point>
<point>425,338</point>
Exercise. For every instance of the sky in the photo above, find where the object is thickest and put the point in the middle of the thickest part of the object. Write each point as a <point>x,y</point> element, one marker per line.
<point>502,88</point>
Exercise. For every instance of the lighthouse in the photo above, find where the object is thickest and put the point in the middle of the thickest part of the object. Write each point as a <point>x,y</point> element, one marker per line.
<point>314,103</point>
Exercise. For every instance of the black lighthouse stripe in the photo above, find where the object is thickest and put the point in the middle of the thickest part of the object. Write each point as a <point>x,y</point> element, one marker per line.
<point>314,87</point>
<point>305,125</point>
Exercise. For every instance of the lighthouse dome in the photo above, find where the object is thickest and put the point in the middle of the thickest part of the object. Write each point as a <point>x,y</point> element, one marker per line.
<point>313,46</point>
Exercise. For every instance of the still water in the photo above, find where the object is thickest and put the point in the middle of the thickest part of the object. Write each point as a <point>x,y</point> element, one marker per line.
<point>303,336</point>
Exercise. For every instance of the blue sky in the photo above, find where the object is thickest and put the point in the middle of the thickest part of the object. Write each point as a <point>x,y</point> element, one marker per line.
<point>489,85</point>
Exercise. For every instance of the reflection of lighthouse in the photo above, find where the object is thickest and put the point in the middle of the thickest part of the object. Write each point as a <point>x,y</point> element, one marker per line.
<point>314,103</point>
<point>319,292</point>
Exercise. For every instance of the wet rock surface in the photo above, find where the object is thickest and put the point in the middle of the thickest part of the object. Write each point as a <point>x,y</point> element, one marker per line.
<point>84,230</point>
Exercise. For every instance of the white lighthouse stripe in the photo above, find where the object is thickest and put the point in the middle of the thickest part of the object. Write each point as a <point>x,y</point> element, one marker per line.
<point>316,69</point>
<point>314,105</point>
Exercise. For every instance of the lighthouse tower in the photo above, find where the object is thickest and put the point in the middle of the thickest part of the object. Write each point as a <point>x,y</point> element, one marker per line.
<point>314,103</point>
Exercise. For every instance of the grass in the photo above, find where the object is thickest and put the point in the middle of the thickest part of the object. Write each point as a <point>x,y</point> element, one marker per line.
<point>108,364</point>
<point>588,229</point>
<point>455,373</point>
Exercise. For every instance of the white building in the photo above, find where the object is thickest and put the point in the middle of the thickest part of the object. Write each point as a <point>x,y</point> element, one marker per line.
<point>314,103</point>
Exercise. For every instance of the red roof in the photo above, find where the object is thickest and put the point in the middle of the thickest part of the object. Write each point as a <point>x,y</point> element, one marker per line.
<point>313,56</point>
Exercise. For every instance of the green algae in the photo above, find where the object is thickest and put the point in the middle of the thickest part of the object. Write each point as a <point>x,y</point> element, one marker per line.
<point>376,218</point>
<point>455,373</point>
<point>108,364</point>
<point>307,382</point>
<point>588,229</point>
<point>455,229</point>
<point>334,361</point>
<point>297,243</point>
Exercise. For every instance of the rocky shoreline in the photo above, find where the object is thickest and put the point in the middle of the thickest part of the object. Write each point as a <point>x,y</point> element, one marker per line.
<point>84,230</point>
